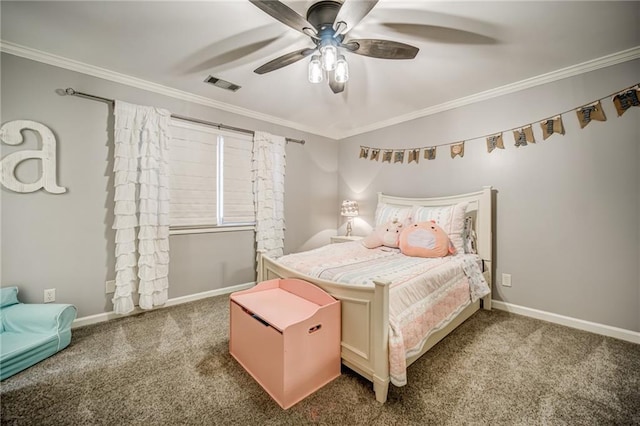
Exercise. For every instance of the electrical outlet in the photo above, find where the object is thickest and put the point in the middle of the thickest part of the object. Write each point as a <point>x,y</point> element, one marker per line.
<point>50,295</point>
<point>506,280</point>
<point>110,287</point>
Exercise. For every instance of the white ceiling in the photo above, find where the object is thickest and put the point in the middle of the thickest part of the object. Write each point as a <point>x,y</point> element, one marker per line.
<point>466,48</point>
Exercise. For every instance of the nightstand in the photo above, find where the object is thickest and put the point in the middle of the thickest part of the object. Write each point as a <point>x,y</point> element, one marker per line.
<point>344,239</point>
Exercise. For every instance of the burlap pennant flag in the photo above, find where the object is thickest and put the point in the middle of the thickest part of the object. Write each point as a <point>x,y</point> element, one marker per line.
<point>386,156</point>
<point>414,155</point>
<point>398,156</point>
<point>551,126</point>
<point>626,99</point>
<point>494,142</point>
<point>523,136</point>
<point>364,152</point>
<point>430,153</point>
<point>590,112</point>
<point>457,149</point>
<point>375,154</point>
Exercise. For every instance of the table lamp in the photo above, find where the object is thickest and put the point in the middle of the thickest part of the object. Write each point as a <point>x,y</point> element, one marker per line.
<point>349,209</point>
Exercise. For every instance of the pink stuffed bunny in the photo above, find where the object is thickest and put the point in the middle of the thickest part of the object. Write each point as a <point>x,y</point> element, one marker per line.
<point>387,234</point>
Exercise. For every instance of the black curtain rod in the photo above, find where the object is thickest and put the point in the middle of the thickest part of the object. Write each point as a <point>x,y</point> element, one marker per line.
<point>72,92</point>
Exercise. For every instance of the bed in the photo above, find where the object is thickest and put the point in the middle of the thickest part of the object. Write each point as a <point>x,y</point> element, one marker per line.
<point>372,312</point>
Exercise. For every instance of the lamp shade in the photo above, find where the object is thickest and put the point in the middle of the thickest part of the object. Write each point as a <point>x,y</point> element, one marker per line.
<point>328,56</point>
<point>315,69</point>
<point>349,208</point>
<point>342,70</point>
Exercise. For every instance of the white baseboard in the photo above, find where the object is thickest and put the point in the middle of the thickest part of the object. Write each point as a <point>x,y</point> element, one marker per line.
<point>593,327</point>
<point>106,316</point>
<point>605,330</point>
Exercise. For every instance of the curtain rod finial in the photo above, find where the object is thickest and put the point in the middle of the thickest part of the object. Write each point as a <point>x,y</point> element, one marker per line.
<point>70,91</point>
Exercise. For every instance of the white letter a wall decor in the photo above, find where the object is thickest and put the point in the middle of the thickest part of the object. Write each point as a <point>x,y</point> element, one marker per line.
<point>11,134</point>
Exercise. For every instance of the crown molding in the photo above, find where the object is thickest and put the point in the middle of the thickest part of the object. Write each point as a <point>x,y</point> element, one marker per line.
<point>72,65</point>
<point>573,70</point>
<point>81,67</point>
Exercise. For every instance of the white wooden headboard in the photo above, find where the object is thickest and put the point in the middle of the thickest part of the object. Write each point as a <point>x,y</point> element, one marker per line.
<point>479,208</point>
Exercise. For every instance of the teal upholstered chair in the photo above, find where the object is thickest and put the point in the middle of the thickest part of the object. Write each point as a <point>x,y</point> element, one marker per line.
<point>30,332</point>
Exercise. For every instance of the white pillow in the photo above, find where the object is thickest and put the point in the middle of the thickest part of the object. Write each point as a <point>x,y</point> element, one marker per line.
<point>449,218</point>
<point>388,213</point>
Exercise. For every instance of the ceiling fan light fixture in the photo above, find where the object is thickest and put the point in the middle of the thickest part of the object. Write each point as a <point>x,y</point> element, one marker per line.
<point>342,70</point>
<point>327,23</point>
<point>328,56</point>
<point>315,69</point>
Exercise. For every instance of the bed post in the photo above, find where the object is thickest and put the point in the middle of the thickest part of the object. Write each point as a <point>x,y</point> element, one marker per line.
<point>260,267</point>
<point>485,244</point>
<point>380,326</point>
<point>486,301</point>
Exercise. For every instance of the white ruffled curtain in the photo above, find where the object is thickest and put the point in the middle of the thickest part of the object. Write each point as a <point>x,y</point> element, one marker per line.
<point>268,166</point>
<point>141,222</point>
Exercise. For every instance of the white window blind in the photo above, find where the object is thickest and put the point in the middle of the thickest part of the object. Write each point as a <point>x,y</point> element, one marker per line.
<point>236,186</point>
<point>210,177</point>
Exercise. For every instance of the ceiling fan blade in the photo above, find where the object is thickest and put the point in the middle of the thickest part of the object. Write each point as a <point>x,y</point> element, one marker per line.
<point>335,86</point>
<point>351,12</point>
<point>284,60</point>
<point>439,34</point>
<point>383,49</point>
<point>286,15</point>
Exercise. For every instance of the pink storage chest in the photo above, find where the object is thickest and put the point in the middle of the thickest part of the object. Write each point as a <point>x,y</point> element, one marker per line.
<point>286,334</point>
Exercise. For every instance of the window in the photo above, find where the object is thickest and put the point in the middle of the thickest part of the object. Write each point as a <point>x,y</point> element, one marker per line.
<point>210,177</point>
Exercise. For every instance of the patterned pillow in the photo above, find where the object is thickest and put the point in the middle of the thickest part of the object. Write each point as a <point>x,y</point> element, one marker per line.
<point>449,218</point>
<point>469,236</point>
<point>389,213</point>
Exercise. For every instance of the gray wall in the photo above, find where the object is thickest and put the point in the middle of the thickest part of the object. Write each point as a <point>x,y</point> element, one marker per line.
<point>566,208</point>
<point>66,242</point>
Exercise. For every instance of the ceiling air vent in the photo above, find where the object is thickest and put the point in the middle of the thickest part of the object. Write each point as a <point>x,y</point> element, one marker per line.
<point>223,84</point>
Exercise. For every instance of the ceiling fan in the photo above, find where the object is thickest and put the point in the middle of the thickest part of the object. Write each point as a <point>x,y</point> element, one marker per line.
<point>327,23</point>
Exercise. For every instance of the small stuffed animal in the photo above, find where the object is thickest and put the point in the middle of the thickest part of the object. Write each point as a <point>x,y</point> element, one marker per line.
<point>425,239</point>
<point>387,234</point>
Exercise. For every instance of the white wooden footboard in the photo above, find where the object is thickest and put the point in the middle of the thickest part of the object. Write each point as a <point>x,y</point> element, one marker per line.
<point>365,322</point>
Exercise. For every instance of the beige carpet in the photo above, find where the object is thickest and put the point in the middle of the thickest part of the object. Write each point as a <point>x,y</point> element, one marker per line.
<point>172,366</point>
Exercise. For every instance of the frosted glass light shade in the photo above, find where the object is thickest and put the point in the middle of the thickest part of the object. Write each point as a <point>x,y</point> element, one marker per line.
<point>329,57</point>
<point>342,70</point>
<point>315,70</point>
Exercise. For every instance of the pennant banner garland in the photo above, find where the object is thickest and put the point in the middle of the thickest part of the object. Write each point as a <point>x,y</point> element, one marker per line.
<point>522,136</point>
<point>494,142</point>
<point>430,153</point>
<point>590,112</point>
<point>414,155</point>
<point>551,126</point>
<point>626,99</point>
<point>457,149</point>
